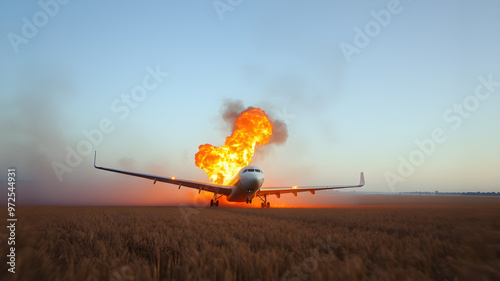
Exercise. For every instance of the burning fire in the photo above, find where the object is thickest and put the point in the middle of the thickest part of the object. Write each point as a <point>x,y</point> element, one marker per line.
<point>253,127</point>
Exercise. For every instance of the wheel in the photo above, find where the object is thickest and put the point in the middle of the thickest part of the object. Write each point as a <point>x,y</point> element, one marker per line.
<point>217,203</point>
<point>268,204</point>
<point>211,203</point>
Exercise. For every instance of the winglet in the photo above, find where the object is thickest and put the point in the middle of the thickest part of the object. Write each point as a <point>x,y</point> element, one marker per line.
<point>361,179</point>
<point>95,155</point>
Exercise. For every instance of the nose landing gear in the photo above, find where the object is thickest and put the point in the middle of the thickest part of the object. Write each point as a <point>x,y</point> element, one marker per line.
<point>249,199</point>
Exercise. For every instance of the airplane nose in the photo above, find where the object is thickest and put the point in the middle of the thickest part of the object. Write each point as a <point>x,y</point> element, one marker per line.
<point>253,181</point>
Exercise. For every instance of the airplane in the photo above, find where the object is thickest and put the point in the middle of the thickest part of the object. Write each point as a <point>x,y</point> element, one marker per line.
<point>243,187</point>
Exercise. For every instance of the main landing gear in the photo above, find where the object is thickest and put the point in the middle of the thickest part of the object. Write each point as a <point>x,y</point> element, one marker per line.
<point>212,203</point>
<point>215,202</point>
<point>264,203</point>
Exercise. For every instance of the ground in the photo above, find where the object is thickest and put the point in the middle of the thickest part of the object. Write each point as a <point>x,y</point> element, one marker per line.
<point>369,242</point>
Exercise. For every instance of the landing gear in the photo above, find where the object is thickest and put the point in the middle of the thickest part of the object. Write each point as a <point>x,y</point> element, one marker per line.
<point>264,203</point>
<point>249,198</point>
<point>215,202</point>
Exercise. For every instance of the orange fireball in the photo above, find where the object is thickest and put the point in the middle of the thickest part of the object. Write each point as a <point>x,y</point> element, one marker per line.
<point>253,127</point>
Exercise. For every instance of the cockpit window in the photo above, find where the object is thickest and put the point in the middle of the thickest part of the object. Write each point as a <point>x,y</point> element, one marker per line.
<point>244,171</point>
<point>258,171</point>
<point>251,170</point>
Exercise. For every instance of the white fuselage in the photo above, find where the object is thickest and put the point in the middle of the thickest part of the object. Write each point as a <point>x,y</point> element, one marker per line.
<point>246,184</point>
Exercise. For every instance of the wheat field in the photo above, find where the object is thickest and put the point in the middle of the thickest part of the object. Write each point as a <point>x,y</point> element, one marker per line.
<point>172,243</point>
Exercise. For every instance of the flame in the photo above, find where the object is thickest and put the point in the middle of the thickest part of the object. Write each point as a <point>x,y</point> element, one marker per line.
<point>253,127</point>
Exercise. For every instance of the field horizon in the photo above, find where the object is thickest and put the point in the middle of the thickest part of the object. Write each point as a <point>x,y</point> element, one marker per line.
<point>339,200</point>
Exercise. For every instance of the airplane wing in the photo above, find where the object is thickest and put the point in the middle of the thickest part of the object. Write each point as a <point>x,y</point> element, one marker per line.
<point>295,189</point>
<point>215,188</point>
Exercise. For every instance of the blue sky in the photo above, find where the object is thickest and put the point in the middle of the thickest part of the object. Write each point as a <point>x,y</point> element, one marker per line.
<point>349,115</point>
